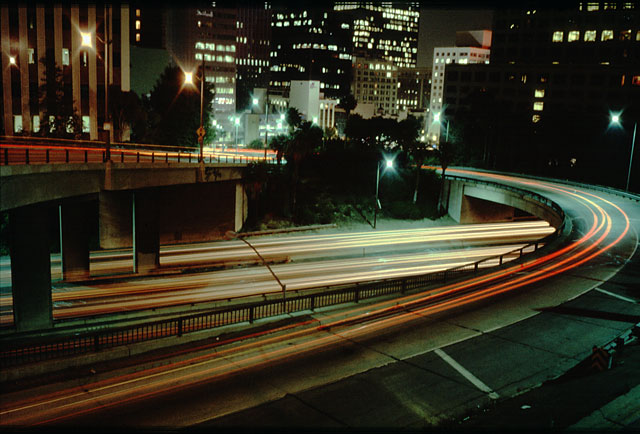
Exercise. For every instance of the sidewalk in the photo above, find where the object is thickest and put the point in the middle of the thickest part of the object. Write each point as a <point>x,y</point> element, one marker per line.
<point>596,402</point>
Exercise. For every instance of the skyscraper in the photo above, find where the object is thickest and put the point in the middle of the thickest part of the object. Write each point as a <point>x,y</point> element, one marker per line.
<point>310,43</point>
<point>253,42</point>
<point>387,30</point>
<point>37,40</point>
<point>207,35</point>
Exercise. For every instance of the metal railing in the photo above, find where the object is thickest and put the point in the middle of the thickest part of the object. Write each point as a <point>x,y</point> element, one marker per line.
<point>48,151</point>
<point>28,350</point>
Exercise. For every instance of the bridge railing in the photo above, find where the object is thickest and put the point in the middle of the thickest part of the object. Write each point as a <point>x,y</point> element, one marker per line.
<point>21,350</point>
<point>20,151</point>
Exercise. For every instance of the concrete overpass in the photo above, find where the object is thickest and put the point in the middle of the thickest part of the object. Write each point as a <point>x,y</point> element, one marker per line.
<point>140,205</point>
<point>476,201</point>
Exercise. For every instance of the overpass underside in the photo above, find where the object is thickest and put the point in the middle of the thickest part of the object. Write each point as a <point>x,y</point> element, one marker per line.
<point>128,214</point>
<point>478,203</point>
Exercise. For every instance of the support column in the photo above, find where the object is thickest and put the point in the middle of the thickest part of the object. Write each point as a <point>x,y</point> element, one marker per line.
<point>74,229</point>
<point>30,269</point>
<point>146,236</point>
<point>241,205</point>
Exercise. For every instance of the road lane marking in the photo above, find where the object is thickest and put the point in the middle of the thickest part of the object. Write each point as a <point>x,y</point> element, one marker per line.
<point>630,300</point>
<point>466,374</point>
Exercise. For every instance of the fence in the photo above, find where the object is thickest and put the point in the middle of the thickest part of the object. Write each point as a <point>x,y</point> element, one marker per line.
<point>34,151</point>
<point>40,349</point>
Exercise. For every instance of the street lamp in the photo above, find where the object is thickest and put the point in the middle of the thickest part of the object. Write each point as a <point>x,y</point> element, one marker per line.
<point>87,41</point>
<point>615,119</point>
<point>436,118</point>
<point>266,112</point>
<point>382,165</point>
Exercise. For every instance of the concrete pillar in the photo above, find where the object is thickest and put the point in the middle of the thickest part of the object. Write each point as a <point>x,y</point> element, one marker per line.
<point>115,212</point>
<point>30,269</point>
<point>75,221</point>
<point>241,205</point>
<point>146,236</point>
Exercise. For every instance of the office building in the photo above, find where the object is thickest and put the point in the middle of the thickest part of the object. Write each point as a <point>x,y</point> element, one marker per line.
<point>386,31</point>
<point>375,87</point>
<point>38,39</point>
<point>206,36</point>
<point>414,88</point>
<point>253,47</point>
<point>310,43</point>
<point>471,47</point>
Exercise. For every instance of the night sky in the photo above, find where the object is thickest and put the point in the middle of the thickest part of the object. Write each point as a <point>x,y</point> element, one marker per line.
<point>438,28</point>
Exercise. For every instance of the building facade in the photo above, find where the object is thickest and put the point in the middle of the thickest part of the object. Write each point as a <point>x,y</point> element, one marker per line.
<point>375,87</point>
<point>414,88</point>
<point>310,43</point>
<point>471,48</point>
<point>386,31</point>
<point>253,47</point>
<point>206,37</point>
<point>563,72</point>
<point>37,40</point>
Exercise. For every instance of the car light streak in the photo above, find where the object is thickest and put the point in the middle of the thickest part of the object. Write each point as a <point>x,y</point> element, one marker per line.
<point>363,321</point>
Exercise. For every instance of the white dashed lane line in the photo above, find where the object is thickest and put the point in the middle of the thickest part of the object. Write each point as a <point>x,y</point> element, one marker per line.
<point>466,374</point>
<point>604,291</point>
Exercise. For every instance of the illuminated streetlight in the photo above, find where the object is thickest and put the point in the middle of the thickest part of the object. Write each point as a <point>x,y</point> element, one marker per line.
<point>382,166</point>
<point>615,119</point>
<point>188,77</point>
<point>87,41</point>
<point>12,60</point>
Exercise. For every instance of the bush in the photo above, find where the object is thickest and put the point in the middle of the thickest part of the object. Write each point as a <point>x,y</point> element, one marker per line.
<point>256,144</point>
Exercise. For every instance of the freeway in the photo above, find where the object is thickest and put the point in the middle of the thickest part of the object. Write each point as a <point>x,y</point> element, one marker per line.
<point>364,256</point>
<point>414,361</point>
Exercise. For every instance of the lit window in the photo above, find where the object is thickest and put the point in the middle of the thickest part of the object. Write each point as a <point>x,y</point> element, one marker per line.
<point>137,12</point>
<point>557,36</point>
<point>638,35</point>
<point>17,123</point>
<point>607,35</point>
<point>590,35</point>
<point>635,80</point>
<point>539,93</point>
<point>625,35</point>
<point>535,119</point>
<point>592,7</point>
<point>538,106</point>
<point>574,35</point>
<point>85,124</point>
<point>65,56</point>
<point>30,53</point>
<point>137,37</point>
<point>137,24</point>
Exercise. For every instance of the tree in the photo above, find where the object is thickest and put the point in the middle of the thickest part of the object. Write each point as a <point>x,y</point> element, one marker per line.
<point>446,153</point>
<point>293,118</point>
<point>304,140</point>
<point>176,109</point>
<point>348,103</point>
<point>279,144</point>
<point>126,112</point>
<point>407,135</point>
<point>256,144</point>
<point>59,117</point>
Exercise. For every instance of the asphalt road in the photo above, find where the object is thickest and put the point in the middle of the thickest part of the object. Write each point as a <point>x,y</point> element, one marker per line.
<point>420,367</point>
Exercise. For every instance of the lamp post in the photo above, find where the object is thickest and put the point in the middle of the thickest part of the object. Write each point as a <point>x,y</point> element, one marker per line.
<point>436,118</point>
<point>266,123</point>
<point>388,164</point>
<point>87,42</point>
<point>615,119</point>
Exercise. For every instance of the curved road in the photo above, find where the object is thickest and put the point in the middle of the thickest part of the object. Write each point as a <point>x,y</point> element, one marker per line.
<point>414,361</point>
